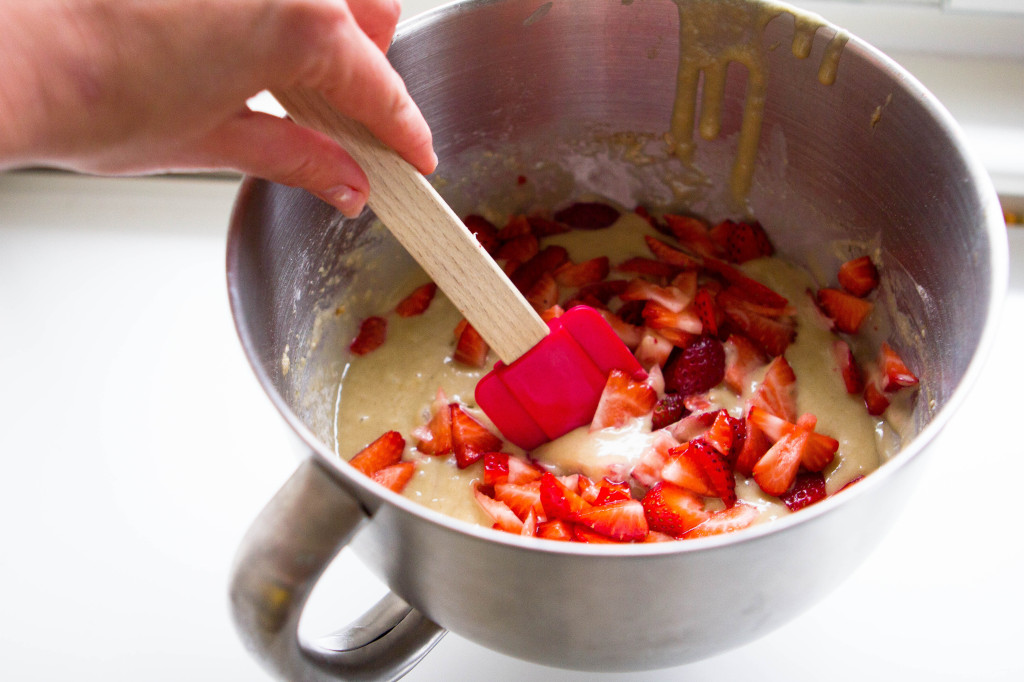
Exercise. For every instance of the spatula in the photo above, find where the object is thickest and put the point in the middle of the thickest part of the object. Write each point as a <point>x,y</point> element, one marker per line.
<point>549,377</point>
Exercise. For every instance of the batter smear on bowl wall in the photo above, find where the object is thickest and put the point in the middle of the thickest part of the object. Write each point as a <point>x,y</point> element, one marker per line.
<point>764,394</point>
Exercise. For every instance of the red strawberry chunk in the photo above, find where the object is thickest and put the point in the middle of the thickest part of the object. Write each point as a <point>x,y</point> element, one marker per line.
<point>777,469</point>
<point>722,433</point>
<point>484,231</point>
<point>630,334</point>
<point>742,241</point>
<point>772,334</point>
<point>381,453</point>
<point>727,520</point>
<point>671,255</point>
<point>545,227</point>
<point>520,498</point>
<point>547,260</point>
<point>747,288</point>
<point>587,215</point>
<point>610,491</point>
<point>672,510</point>
<point>858,276</point>
<point>470,347</point>
<point>679,328</point>
<point>521,471</point>
<point>653,349</point>
<point>853,378</point>
<point>895,373</point>
<point>685,470</point>
<point>396,476</point>
<point>435,437</point>
<point>579,274</point>
<point>671,298</point>
<point>559,501</point>
<point>755,445</point>
<point>504,518</point>
<point>418,301</point>
<point>846,310</point>
<point>517,226</point>
<point>874,399</point>
<point>669,409</point>
<point>620,520</point>
<point>808,488</point>
<point>716,470</point>
<point>372,333</point>
<point>777,391</point>
<point>742,357</point>
<point>648,469</point>
<point>470,439</point>
<point>692,233</point>
<point>696,368</point>
<point>622,400</point>
<point>555,529</point>
<point>707,311</point>
<point>648,267</point>
<point>519,249</point>
<point>543,294</point>
<point>496,468</point>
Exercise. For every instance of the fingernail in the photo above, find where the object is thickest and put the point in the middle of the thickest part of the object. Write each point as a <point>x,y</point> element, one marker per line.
<point>347,200</point>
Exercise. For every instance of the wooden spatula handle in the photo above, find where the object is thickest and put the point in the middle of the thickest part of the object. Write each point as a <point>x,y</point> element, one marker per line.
<point>430,231</point>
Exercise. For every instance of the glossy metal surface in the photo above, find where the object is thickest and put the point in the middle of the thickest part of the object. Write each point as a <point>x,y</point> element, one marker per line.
<point>872,158</point>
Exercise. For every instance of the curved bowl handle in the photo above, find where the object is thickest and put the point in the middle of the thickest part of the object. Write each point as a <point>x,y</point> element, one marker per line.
<point>282,556</point>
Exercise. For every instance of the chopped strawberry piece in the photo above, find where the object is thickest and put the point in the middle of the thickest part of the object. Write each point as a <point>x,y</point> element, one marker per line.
<point>504,518</point>
<point>671,255</point>
<point>610,491</point>
<point>671,298</point>
<point>496,468</point>
<point>777,469</point>
<point>653,459</point>
<point>742,241</point>
<point>555,529</point>
<point>544,293</point>
<point>578,274</point>
<point>853,480</point>
<point>418,301</point>
<point>559,501</point>
<point>551,313</point>
<point>669,409</point>
<point>381,453</point>
<point>520,249</point>
<point>808,488</point>
<point>470,348</point>
<point>672,510</point>
<point>715,468</point>
<point>435,437</point>
<point>853,378</point>
<point>653,349</point>
<point>521,471</point>
<point>648,267</point>
<point>747,288</point>
<point>858,276</point>
<point>696,368</point>
<point>895,373</point>
<point>684,470</point>
<point>470,439</point>
<point>772,334</point>
<point>602,292</point>
<point>816,450</point>
<point>517,226</point>
<point>484,231</point>
<point>742,357</point>
<point>588,215</point>
<point>621,520</point>
<point>529,525</point>
<point>632,312</point>
<point>587,488</point>
<point>755,445</point>
<point>722,433</point>
<point>679,328</point>
<point>727,520</point>
<point>396,476</point>
<point>545,227</point>
<point>547,260</point>
<point>845,309</point>
<point>372,333</point>
<point>692,233</point>
<point>591,537</point>
<point>630,334</point>
<point>874,399</point>
<point>777,391</point>
<point>521,498</point>
<point>622,400</point>
<point>707,311</point>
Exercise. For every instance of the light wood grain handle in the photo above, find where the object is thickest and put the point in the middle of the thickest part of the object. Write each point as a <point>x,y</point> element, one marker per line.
<point>430,231</point>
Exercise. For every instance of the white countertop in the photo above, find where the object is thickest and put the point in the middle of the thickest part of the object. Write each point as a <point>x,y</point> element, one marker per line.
<point>137,446</point>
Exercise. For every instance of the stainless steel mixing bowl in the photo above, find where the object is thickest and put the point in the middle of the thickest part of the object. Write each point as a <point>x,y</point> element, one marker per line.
<point>578,96</point>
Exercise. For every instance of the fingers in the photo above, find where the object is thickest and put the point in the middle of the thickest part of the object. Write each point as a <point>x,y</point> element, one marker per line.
<point>377,19</point>
<point>357,79</point>
<point>281,151</point>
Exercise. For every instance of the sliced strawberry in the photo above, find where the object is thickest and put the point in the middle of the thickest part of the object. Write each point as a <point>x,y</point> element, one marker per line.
<point>895,373</point>
<point>484,231</point>
<point>808,488</point>
<point>716,469</point>
<point>707,311</point>
<point>632,312</point>
<point>874,399</point>
<point>671,298</point>
<point>417,302</point>
<point>587,215</point>
<point>722,433</point>
<point>747,288</point>
<point>648,469</point>
<point>545,227</point>
<point>777,391</point>
<point>520,249</point>
<point>648,267</point>
<point>610,491</point>
<point>858,276</point>
<point>727,520</point>
<point>435,437</point>
<point>679,328</point>
<point>396,476</point>
<point>653,349</point>
<point>630,334</point>
<point>516,227</point>
<point>470,347</point>
<point>529,524</point>
<point>372,334</point>
<point>622,400</point>
<point>521,471</point>
<point>578,274</point>
<point>504,518</point>
<point>559,501</point>
<point>555,529</point>
<point>685,471</point>
<point>520,498</point>
<point>496,468</point>
<point>602,292</point>
<point>669,409</point>
<point>551,313</point>
<point>742,358</point>
<point>588,489</point>
<point>816,450</point>
<point>692,233</point>
<point>845,309</point>
<point>742,241</point>
<point>547,260</point>
<point>671,255</point>
<point>755,445</point>
<point>696,368</point>
<point>470,439</point>
<point>853,378</point>
<point>621,520</point>
<point>544,292</point>
<point>381,453</point>
<point>777,469</point>
<point>772,334</point>
<point>672,510</point>
<point>588,536</point>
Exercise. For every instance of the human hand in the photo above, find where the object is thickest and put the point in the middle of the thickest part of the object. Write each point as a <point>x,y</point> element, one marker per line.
<point>140,86</point>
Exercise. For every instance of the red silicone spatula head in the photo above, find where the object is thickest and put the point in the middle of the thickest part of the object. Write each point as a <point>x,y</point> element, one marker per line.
<point>555,386</point>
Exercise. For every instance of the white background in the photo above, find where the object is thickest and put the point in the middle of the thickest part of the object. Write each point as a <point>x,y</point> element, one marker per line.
<point>137,446</point>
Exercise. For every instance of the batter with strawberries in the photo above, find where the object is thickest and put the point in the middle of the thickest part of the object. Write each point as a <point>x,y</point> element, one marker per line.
<point>762,394</point>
